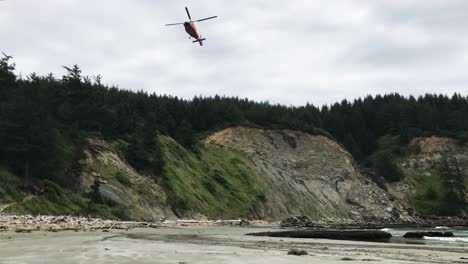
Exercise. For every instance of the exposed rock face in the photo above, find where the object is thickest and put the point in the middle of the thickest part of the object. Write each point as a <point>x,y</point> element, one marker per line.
<point>290,173</point>
<point>141,199</point>
<point>309,175</point>
<point>432,156</point>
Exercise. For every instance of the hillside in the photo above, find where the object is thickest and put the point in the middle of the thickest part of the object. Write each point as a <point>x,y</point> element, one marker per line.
<point>309,175</point>
<point>435,178</point>
<point>236,172</point>
<point>72,145</point>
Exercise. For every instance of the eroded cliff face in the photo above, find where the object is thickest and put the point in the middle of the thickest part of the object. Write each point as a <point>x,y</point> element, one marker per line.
<point>265,174</point>
<point>271,175</point>
<point>436,163</point>
<point>138,196</point>
<point>303,174</point>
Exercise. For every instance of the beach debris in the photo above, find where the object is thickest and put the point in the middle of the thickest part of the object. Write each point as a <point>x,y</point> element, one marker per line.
<point>296,221</point>
<point>29,223</point>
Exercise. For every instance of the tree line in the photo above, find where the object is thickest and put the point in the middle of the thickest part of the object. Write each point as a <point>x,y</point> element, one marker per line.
<point>45,120</point>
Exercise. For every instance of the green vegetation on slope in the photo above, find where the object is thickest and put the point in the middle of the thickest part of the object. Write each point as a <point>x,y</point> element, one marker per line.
<point>385,157</point>
<point>9,187</point>
<point>50,199</point>
<point>213,181</point>
<point>441,192</point>
<point>466,189</point>
<point>430,191</point>
<point>53,201</point>
<point>121,177</point>
<point>44,121</point>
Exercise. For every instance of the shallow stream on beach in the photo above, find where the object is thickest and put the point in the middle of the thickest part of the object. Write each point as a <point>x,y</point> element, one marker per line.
<point>460,239</point>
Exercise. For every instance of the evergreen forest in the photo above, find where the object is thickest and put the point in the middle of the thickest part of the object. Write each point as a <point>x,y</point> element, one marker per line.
<point>45,120</point>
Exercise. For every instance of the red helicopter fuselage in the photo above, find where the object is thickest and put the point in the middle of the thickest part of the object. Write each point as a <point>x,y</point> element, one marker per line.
<point>191,29</point>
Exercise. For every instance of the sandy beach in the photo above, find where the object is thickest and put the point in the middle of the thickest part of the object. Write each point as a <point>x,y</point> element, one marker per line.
<point>206,245</point>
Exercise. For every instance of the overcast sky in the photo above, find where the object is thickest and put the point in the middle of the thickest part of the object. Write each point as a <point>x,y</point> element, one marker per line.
<point>289,52</point>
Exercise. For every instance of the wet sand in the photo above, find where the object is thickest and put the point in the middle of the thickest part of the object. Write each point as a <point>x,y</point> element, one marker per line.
<point>206,245</point>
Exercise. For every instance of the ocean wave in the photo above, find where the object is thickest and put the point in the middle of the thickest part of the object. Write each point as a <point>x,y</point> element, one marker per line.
<point>441,227</point>
<point>385,229</point>
<point>449,239</point>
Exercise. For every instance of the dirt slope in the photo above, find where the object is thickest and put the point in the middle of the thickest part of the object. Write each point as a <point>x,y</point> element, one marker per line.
<point>308,175</point>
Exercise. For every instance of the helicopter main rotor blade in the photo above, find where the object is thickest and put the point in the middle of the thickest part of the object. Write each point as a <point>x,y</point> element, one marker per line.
<point>188,14</point>
<point>199,20</point>
<point>174,24</point>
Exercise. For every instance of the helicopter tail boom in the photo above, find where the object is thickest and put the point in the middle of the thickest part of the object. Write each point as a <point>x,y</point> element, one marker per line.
<point>199,41</point>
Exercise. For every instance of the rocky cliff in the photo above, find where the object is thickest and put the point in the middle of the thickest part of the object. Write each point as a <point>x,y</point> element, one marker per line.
<point>136,195</point>
<point>244,172</point>
<point>434,169</point>
<point>260,174</point>
<point>303,174</point>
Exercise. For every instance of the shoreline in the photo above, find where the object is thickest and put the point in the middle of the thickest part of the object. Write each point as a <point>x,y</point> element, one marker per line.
<point>212,244</point>
<point>29,223</point>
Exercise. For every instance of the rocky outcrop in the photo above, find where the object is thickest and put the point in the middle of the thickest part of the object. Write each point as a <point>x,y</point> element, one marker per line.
<point>426,160</point>
<point>266,174</point>
<point>139,196</point>
<point>310,175</point>
<point>330,234</point>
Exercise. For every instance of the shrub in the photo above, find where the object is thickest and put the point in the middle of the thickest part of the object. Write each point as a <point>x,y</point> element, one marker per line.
<point>383,160</point>
<point>386,166</point>
<point>121,177</point>
<point>209,185</point>
<point>462,137</point>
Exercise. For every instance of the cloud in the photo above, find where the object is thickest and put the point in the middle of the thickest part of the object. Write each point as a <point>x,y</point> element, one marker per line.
<point>285,52</point>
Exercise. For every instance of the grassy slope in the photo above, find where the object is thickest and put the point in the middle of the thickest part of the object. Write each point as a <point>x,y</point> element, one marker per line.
<point>215,182</point>
<point>429,192</point>
<point>9,188</point>
<point>429,186</point>
<point>218,183</point>
<point>54,200</point>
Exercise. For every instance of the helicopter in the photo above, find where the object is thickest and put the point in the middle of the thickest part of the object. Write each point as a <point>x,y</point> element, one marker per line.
<point>191,29</point>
